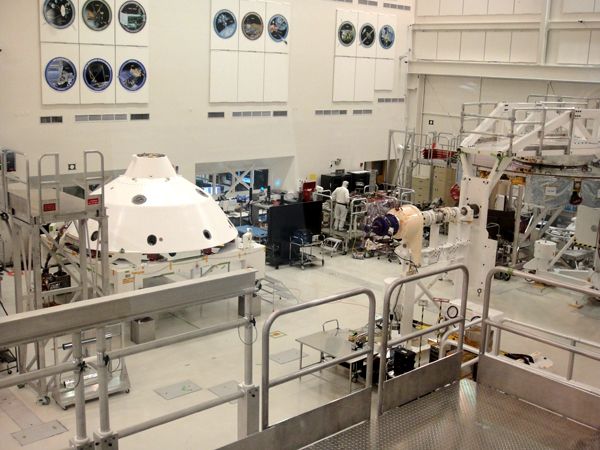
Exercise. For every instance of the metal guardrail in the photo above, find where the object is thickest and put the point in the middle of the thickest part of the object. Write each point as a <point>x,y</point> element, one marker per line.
<point>528,330</point>
<point>561,395</point>
<point>98,313</point>
<point>267,383</point>
<point>386,343</point>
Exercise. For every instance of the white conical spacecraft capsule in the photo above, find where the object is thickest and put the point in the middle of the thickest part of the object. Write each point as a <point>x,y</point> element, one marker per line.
<point>151,209</point>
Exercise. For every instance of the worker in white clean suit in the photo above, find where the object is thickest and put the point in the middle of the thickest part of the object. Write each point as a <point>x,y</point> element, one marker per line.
<point>341,200</point>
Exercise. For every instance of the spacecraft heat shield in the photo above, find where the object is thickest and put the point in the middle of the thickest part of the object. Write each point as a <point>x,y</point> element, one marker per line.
<point>151,209</point>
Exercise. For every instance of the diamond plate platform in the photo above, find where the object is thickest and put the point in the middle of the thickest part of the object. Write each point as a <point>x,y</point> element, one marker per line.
<point>465,416</point>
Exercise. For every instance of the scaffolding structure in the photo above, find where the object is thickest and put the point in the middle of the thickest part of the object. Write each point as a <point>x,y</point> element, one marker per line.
<point>47,270</point>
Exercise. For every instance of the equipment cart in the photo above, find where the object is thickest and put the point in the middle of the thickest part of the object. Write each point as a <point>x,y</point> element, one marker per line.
<point>302,249</point>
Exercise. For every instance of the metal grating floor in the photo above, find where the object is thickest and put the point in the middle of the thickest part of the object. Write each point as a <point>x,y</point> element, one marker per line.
<point>465,416</point>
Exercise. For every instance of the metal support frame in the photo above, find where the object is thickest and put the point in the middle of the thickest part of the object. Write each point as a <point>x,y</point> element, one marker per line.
<point>387,343</point>
<point>571,399</point>
<point>268,383</point>
<point>34,326</point>
<point>29,206</point>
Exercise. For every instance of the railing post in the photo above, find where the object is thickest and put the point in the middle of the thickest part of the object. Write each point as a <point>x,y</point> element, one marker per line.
<point>571,363</point>
<point>248,406</point>
<point>104,438</point>
<point>81,440</point>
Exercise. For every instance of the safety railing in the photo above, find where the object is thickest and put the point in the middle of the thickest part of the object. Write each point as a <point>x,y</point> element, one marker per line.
<point>445,342</point>
<point>367,351</point>
<point>439,377</point>
<point>97,314</point>
<point>523,126</point>
<point>571,399</point>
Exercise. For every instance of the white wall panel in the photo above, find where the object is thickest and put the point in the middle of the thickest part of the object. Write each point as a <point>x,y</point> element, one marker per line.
<point>216,42</point>
<point>104,37</point>
<point>223,76</point>
<point>428,7</point>
<point>276,77</point>
<point>578,6</point>
<point>472,46</point>
<point>528,6</point>
<point>501,7</point>
<point>365,18</point>
<point>595,48</point>
<point>257,7</point>
<point>343,79</point>
<point>48,33</point>
<point>343,16</point>
<point>251,76</point>
<point>448,45</point>
<point>87,94</point>
<point>364,82</point>
<point>142,55</point>
<point>425,44</point>
<point>573,47</point>
<point>49,95</point>
<point>285,10</point>
<point>392,21</point>
<point>140,38</point>
<point>523,47</point>
<point>451,7</point>
<point>384,74</point>
<point>597,7</point>
<point>497,46</point>
<point>475,7</point>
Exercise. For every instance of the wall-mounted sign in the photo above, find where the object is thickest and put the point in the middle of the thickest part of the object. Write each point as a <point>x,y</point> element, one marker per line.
<point>278,28</point>
<point>97,15</point>
<point>60,74</point>
<point>132,75</point>
<point>59,13</point>
<point>252,26</point>
<point>387,36</point>
<point>225,24</point>
<point>97,74</point>
<point>367,35</point>
<point>132,17</point>
<point>347,34</point>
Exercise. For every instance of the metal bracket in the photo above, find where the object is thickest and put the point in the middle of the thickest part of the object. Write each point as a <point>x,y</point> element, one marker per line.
<point>81,446</point>
<point>108,442</point>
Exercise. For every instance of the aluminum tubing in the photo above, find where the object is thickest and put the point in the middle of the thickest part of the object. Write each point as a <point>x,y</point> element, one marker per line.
<point>385,343</point>
<point>134,429</point>
<point>102,371</point>
<point>265,382</point>
<point>36,375</point>
<point>519,274</point>
<point>81,433</point>
<point>140,348</point>
<point>317,367</point>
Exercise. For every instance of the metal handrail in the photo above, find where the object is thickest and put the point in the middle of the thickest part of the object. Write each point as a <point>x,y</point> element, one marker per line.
<point>368,351</point>
<point>386,342</point>
<point>36,325</point>
<point>553,333</point>
<point>445,337</point>
<point>488,324</point>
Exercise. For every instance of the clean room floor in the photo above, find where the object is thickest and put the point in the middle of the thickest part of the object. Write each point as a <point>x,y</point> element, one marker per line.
<point>216,359</point>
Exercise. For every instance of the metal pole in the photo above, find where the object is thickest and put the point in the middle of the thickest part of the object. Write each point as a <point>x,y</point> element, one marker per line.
<point>248,341</point>
<point>571,363</point>
<point>102,371</point>
<point>517,231</point>
<point>81,437</point>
